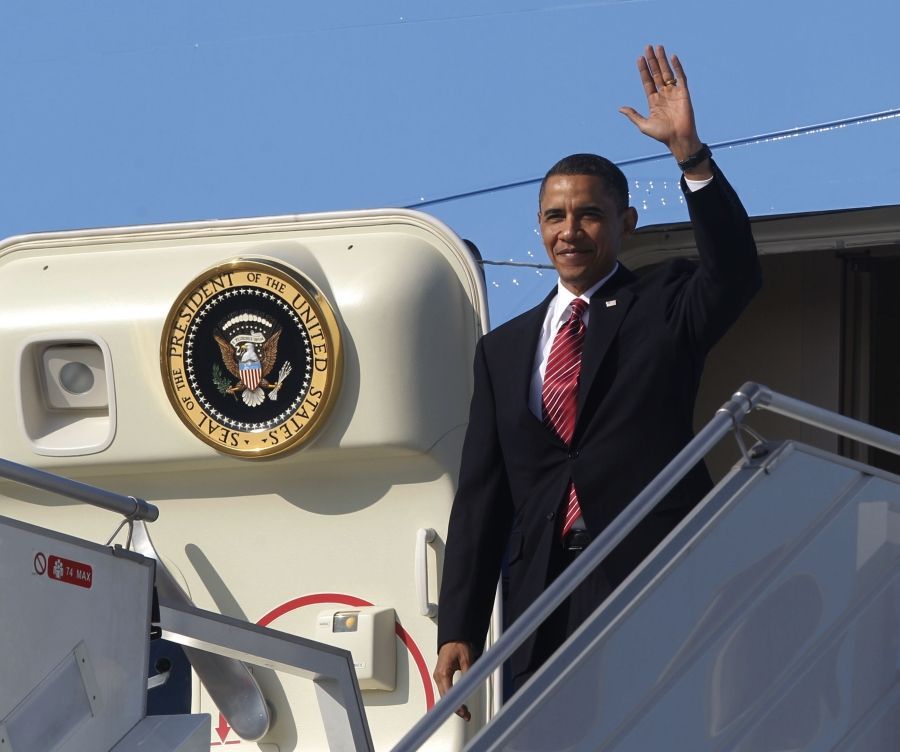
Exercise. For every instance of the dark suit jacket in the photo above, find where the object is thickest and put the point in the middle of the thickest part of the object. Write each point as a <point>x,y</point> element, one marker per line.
<point>641,366</point>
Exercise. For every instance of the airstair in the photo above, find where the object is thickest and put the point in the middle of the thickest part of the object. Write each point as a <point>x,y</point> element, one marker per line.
<point>76,620</point>
<point>769,620</point>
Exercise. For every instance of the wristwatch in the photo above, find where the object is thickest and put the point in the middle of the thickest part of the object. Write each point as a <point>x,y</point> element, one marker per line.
<point>702,154</point>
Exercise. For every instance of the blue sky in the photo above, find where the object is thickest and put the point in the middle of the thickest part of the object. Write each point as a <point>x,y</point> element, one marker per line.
<point>123,112</point>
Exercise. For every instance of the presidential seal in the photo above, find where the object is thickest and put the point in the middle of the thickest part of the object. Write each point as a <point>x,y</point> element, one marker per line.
<point>251,357</point>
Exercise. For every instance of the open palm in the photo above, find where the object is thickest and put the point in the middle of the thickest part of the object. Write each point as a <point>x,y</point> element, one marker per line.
<point>671,116</point>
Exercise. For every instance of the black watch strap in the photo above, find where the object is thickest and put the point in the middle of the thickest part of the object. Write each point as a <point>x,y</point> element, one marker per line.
<point>702,154</point>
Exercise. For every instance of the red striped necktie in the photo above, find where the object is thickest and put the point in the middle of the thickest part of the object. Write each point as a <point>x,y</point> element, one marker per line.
<point>560,392</point>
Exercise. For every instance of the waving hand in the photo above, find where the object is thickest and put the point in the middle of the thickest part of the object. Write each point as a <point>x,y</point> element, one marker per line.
<point>671,116</point>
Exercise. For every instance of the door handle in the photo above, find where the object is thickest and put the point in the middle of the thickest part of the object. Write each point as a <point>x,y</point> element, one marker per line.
<point>424,536</point>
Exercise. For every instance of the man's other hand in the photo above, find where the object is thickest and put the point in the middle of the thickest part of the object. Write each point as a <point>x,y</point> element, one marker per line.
<point>453,657</point>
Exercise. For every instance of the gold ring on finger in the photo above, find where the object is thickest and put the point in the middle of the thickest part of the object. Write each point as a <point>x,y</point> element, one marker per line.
<point>669,82</point>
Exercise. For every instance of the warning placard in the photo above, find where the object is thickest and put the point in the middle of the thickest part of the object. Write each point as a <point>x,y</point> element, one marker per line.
<point>69,571</point>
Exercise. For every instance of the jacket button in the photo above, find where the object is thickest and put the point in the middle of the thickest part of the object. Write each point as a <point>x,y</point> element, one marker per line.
<point>573,454</point>
<point>550,516</point>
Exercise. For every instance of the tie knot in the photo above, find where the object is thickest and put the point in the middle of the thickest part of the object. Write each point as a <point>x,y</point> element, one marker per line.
<point>578,308</point>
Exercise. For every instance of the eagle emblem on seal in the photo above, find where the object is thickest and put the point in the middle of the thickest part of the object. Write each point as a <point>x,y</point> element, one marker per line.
<point>248,342</point>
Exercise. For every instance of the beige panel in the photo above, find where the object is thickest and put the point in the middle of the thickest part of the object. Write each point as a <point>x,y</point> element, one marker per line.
<point>789,340</point>
<point>403,290</point>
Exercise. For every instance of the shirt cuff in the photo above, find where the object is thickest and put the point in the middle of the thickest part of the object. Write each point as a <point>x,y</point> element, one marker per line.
<point>696,185</point>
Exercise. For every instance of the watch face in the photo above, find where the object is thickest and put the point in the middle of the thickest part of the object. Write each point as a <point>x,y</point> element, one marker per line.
<point>251,358</point>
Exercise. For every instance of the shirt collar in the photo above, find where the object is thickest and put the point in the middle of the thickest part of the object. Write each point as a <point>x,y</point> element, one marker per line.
<point>564,297</point>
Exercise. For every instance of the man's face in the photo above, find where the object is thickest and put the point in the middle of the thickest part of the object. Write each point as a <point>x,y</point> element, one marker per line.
<point>582,229</point>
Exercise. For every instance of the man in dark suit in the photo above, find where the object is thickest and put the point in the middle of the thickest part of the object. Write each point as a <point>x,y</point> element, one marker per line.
<point>641,346</point>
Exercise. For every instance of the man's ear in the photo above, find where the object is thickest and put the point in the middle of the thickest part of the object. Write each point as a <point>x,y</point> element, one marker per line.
<point>629,221</point>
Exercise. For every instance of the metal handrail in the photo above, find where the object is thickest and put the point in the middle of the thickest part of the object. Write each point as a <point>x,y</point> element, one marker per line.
<point>329,667</point>
<point>128,506</point>
<point>749,397</point>
<point>819,417</point>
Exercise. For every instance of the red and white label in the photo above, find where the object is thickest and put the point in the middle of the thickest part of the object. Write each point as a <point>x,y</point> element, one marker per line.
<point>71,572</point>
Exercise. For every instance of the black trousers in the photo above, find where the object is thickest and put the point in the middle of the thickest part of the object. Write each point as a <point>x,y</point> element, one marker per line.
<point>570,614</point>
<point>598,585</point>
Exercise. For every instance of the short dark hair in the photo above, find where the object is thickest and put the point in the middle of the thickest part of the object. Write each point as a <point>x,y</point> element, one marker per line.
<point>596,166</point>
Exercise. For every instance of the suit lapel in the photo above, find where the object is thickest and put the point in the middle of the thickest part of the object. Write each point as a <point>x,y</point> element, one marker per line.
<point>609,306</point>
<point>521,350</point>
